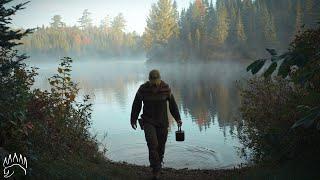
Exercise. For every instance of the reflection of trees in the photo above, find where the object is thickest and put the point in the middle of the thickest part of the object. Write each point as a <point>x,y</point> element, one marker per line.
<point>205,92</point>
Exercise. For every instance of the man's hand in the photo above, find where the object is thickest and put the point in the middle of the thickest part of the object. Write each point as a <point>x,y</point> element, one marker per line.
<point>134,125</point>
<point>179,122</point>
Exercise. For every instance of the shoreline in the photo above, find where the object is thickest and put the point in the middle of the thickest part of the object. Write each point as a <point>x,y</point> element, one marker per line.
<point>101,168</point>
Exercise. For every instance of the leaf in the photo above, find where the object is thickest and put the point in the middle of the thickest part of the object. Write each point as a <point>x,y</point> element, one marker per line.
<point>302,108</point>
<point>306,76</point>
<point>251,66</point>
<point>270,70</point>
<point>256,66</point>
<point>284,55</point>
<point>60,70</point>
<point>284,68</point>
<point>12,122</point>
<point>308,120</point>
<point>299,59</point>
<point>273,52</point>
<point>72,97</point>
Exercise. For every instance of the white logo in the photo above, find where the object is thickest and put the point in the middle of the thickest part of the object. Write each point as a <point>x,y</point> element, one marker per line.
<point>12,161</point>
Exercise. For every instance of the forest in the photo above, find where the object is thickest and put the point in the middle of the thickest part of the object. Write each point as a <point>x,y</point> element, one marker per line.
<point>228,29</point>
<point>109,39</point>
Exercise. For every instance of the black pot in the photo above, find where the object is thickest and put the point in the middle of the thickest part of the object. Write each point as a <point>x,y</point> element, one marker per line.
<point>179,134</point>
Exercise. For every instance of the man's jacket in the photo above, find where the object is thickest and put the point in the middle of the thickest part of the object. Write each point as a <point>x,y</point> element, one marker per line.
<point>154,104</point>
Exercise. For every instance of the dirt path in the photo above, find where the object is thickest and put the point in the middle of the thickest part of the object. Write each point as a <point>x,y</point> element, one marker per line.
<point>143,172</point>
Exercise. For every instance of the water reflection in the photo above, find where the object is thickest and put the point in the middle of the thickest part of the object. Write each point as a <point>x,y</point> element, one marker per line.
<point>206,96</point>
<point>205,91</point>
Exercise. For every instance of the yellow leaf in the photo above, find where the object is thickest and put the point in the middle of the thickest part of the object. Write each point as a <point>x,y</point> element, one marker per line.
<point>72,96</point>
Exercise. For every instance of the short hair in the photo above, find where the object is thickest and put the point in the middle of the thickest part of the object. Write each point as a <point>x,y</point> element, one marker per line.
<point>154,75</point>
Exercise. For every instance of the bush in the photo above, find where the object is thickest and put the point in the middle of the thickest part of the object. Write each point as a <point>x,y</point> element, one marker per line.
<point>274,107</point>
<point>60,122</point>
<point>40,124</point>
<point>268,108</point>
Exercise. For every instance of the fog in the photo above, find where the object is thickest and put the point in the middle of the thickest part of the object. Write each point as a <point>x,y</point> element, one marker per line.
<point>205,93</point>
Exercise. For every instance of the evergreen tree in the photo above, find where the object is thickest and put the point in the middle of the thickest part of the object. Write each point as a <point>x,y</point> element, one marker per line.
<point>241,36</point>
<point>105,24</point>
<point>85,21</point>
<point>118,24</point>
<point>57,22</point>
<point>223,22</point>
<point>162,30</point>
<point>16,79</point>
<point>266,23</point>
<point>162,23</point>
<point>299,22</point>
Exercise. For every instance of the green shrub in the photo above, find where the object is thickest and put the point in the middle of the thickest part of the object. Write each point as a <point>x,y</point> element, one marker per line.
<point>275,108</point>
<point>268,108</point>
<point>40,124</point>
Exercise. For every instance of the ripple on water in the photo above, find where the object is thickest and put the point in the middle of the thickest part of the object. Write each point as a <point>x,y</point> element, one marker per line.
<point>177,155</point>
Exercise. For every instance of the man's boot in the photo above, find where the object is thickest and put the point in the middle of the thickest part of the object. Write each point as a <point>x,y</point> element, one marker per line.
<point>156,174</point>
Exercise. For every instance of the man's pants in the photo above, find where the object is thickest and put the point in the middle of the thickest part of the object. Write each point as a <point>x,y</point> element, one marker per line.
<point>156,138</point>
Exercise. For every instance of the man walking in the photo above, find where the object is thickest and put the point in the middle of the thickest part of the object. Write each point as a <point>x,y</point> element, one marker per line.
<point>155,94</point>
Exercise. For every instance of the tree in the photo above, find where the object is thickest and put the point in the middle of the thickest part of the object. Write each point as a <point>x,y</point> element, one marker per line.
<point>105,24</point>
<point>15,81</point>
<point>223,22</point>
<point>57,22</point>
<point>197,39</point>
<point>241,36</point>
<point>85,21</point>
<point>298,18</point>
<point>118,24</point>
<point>162,23</point>
<point>267,23</point>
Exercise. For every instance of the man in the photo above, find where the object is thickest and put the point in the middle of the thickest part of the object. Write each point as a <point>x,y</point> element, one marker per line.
<point>155,94</point>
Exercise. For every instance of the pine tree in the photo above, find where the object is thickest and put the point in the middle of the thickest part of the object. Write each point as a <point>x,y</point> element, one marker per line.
<point>16,79</point>
<point>118,24</point>
<point>267,23</point>
<point>298,18</point>
<point>248,16</point>
<point>223,22</point>
<point>232,14</point>
<point>105,24</point>
<point>241,36</point>
<point>57,22</point>
<point>197,39</point>
<point>312,13</point>
<point>199,5</point>
<point>85,21</point>
<point>162,23</point>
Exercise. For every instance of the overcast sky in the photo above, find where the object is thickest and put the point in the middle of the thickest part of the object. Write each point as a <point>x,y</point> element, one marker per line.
<point>39,12</point>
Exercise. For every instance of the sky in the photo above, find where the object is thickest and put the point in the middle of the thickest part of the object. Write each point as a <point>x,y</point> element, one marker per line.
<point>40,12</point>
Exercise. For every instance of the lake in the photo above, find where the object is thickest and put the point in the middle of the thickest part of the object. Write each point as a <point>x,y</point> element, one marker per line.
<point>206,95</point>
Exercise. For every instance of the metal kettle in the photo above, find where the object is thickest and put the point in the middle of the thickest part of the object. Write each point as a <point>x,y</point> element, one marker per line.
<point>179,134</point>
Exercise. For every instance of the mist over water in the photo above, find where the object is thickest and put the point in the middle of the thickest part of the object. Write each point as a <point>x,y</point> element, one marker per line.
<point>206,94</point>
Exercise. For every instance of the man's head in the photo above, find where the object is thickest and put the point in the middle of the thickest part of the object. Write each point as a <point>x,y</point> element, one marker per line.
<point>154,77</point>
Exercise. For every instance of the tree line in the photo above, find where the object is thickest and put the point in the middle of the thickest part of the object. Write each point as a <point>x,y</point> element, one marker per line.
<point>107,39</point>
<point>230,28</point>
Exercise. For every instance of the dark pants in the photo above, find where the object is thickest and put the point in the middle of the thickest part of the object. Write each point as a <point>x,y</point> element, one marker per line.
<point>156,138</point>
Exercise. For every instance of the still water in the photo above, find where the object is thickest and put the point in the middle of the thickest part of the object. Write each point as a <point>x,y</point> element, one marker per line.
<point>206,95</point>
